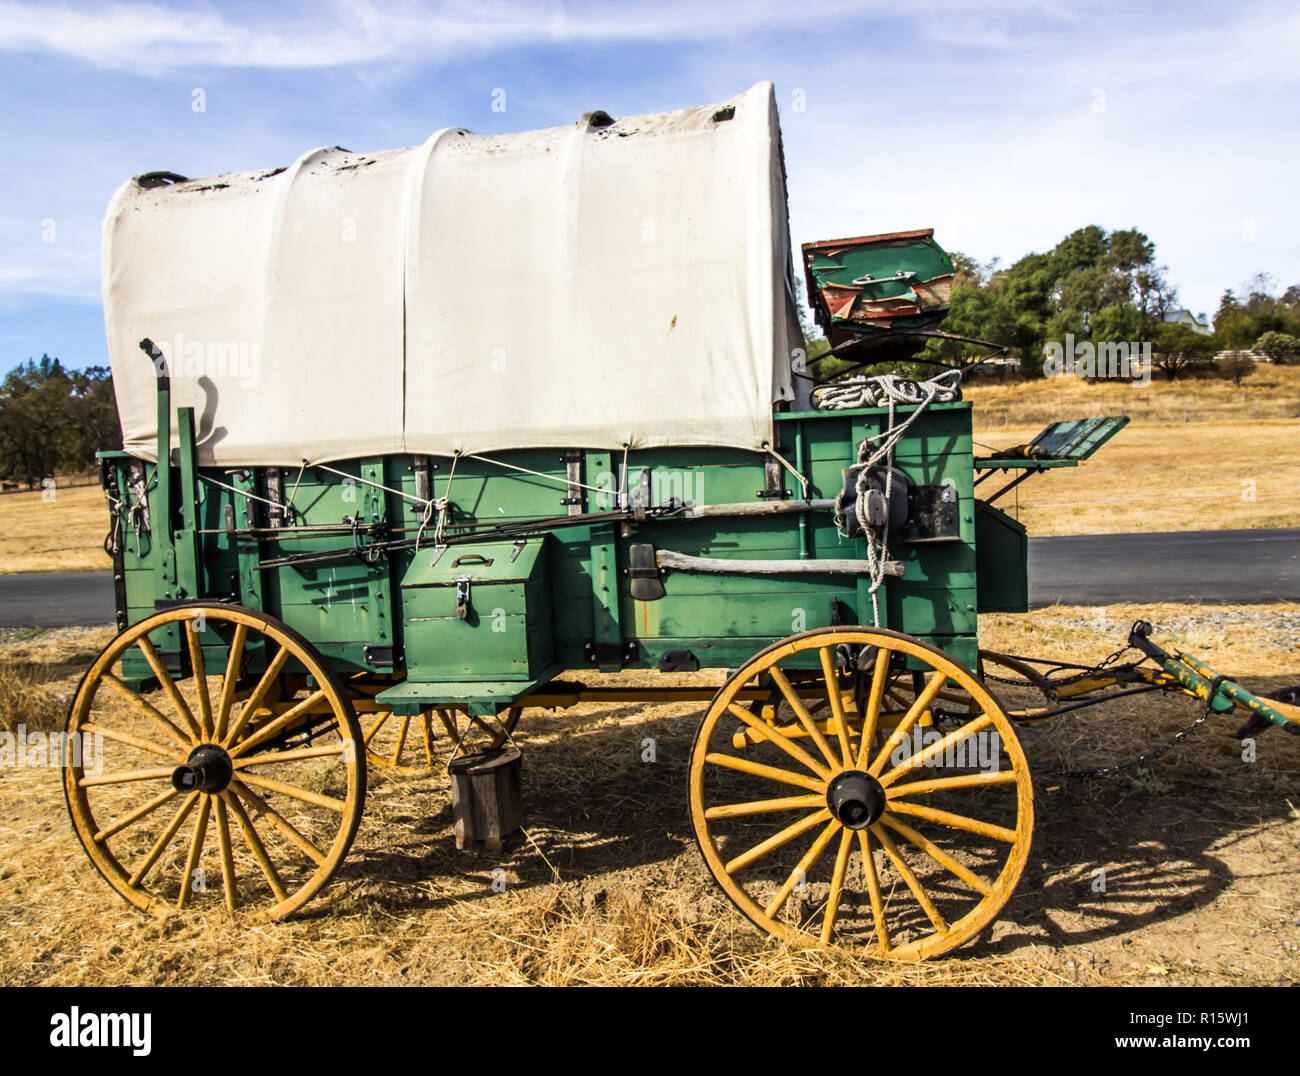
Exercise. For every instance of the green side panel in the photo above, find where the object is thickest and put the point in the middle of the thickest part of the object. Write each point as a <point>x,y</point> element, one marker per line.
<point>564,591</point>
<point>1002,557</point>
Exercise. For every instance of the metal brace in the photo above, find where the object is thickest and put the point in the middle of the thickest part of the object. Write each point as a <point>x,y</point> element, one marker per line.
<point>575,472</point>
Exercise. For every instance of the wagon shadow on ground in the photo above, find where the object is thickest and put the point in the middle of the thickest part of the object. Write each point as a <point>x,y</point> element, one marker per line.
<point>1110,855</point>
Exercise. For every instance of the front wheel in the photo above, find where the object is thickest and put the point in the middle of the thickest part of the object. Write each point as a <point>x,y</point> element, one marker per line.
<point>244,787</point>
<point>852,809</point>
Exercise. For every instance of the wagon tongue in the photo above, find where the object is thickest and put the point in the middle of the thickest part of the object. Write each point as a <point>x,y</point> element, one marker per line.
<point>855,798</point>
<point>208,769</point>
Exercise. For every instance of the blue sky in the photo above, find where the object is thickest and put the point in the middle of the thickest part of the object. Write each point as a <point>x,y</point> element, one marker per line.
<point>1002,125</point>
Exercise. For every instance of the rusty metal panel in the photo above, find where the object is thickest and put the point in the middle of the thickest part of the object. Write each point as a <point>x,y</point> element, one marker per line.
<point>875,283</point>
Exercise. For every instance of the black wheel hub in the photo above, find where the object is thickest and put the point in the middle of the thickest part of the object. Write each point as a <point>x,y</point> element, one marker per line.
<point>208,769</point>
<point>855,798</point>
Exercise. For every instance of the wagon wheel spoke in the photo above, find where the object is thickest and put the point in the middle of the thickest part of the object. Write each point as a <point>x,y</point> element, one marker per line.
<point>936,749</point>
<point>233,666</point>
<point>125,776</point>
<point>789,803</point>
<point>901,730</point>
<point>229,885</point>
<point>781,741</point>
<point>426,735</point>
<point>406,745</point>
<point>196,850</point>
<point>801,871</point>
<point>937,854</point>
<point>280,724</point>
<point>200,670</point>
<point>795,829</point>
<point>421,751</point>
<point>836,700</point>
<point>805,718</point>
<point>255,845</point>
<point>154,715</point>
<point>910,879</point>
<point>287,765</point>
<point>287,828</point>
<point>169,688</point>
<point>837,884</point>
<point>872,881</point>
<point>401,737</point>
<point>383,718</point>
<point>294,755</point>
<point>294,792</point>
<point>143,811</point>
<point>263,688</point>
<point>160,845</point>
<point>875,699</point>
<point>140,742</point>
<point>772,773</point>
<point>956,821</point>
<point>448,719</point>
<point>498,736</point>
<point>939,784</point>
<point>940,847</point>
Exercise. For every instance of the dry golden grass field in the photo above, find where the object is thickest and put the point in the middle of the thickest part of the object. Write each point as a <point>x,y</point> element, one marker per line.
<point>61,530</point>
<point>1201,853</point>
<point>1196,455</point>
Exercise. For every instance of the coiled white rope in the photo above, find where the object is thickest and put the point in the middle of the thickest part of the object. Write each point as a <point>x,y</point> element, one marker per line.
<point>881,390</point>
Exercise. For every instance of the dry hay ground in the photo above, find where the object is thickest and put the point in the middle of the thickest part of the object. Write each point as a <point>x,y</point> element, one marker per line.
<point>59,530</point>
<point>1201,853</point>
<point>1149,477</point>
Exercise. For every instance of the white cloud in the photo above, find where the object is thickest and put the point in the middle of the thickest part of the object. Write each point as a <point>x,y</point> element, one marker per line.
<point>149,37</point>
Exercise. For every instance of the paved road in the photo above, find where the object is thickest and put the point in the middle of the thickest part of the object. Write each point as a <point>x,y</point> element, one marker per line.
<point>1227,567</point>
<point>55,599</point>
<point>1223,567</point>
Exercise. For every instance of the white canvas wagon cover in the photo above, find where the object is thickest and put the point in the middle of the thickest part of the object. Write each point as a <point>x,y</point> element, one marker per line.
<point>609,283</point>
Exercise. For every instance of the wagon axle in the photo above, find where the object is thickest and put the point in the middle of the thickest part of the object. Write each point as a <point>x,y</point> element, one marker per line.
<point>855,799</point>
<point>208,769</point>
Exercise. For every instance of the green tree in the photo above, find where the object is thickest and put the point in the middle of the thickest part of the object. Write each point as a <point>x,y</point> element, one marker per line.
<point>1176,348</point>
<point>1240,322</point>
<point>53,419</point>
<point>1277,347</point>
<point>1093,285</point>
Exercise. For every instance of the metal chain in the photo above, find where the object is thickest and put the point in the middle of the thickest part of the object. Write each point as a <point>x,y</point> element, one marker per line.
<point>1100,667</point>
<point>1119,767</point>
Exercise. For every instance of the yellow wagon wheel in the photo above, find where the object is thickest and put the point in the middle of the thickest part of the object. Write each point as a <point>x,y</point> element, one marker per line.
<point>207,786</point>
<point>863,824</point>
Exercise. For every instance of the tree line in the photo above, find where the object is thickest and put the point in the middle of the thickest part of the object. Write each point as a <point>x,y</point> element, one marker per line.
<point>53,420</point>
<point>1108,287</point>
